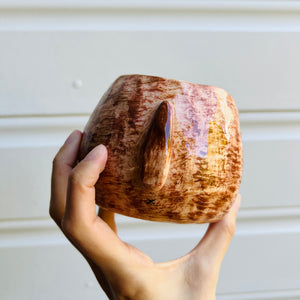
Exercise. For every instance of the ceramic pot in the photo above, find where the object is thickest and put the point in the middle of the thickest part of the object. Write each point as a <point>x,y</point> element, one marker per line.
<point>174,149</point>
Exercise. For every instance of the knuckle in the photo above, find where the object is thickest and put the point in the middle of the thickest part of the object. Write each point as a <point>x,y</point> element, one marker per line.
<point>75,178</point>
<point>55,161</point>
<point>59,157</point>
<point>58,161</point>
<point>81,180</point>
<point>76,181</point>
<point>58,166</point>
<point>54,215</point>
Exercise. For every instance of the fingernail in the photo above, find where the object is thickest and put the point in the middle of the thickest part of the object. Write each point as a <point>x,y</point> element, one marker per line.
<point>71,137</point>
<point>96,152</point>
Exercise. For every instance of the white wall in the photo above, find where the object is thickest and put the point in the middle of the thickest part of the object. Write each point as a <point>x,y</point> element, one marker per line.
<point>57,59</point>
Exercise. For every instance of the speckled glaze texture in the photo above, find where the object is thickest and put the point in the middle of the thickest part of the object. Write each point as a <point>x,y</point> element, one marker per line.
<point>174,149</point>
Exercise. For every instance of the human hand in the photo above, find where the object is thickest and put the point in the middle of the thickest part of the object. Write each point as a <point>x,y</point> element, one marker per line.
<point>123,271</point>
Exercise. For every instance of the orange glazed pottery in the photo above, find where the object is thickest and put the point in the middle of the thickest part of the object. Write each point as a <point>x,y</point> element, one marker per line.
<point>174,149</point>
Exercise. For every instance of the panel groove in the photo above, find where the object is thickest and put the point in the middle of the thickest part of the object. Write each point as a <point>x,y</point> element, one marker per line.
<point>52,130</point>
<point>294,113</point>
<point>245,214</point>
<point>37,122</point>
<point>272,295</point>
<point>251,222</point>
<point>174,5</point>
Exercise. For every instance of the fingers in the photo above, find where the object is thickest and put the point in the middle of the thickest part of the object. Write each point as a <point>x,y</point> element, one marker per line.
<point>91,235</point>
<point>218,236</point>
<point>81,191</point>
<point>62,166</point>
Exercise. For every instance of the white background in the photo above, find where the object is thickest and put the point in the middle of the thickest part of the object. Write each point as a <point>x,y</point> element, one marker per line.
<point>56,60</point>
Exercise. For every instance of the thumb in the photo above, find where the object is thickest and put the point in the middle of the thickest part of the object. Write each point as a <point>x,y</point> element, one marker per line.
<point>91,235</point>
<point>80,204</point>
<point>218,236</point>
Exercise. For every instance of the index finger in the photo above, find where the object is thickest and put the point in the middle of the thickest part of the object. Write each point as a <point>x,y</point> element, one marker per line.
<point>62,166</point>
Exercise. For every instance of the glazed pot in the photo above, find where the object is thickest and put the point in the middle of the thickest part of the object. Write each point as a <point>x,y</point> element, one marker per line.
<point>174,149</point>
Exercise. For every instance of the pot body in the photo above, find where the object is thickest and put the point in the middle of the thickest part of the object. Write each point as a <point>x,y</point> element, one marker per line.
<point>174,149</point>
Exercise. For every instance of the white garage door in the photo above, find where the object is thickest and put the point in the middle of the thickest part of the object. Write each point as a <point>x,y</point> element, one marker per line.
<point>58,57</point>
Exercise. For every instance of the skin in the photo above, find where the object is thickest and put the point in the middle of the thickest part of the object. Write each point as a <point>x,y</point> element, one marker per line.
<point>123,271</point>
